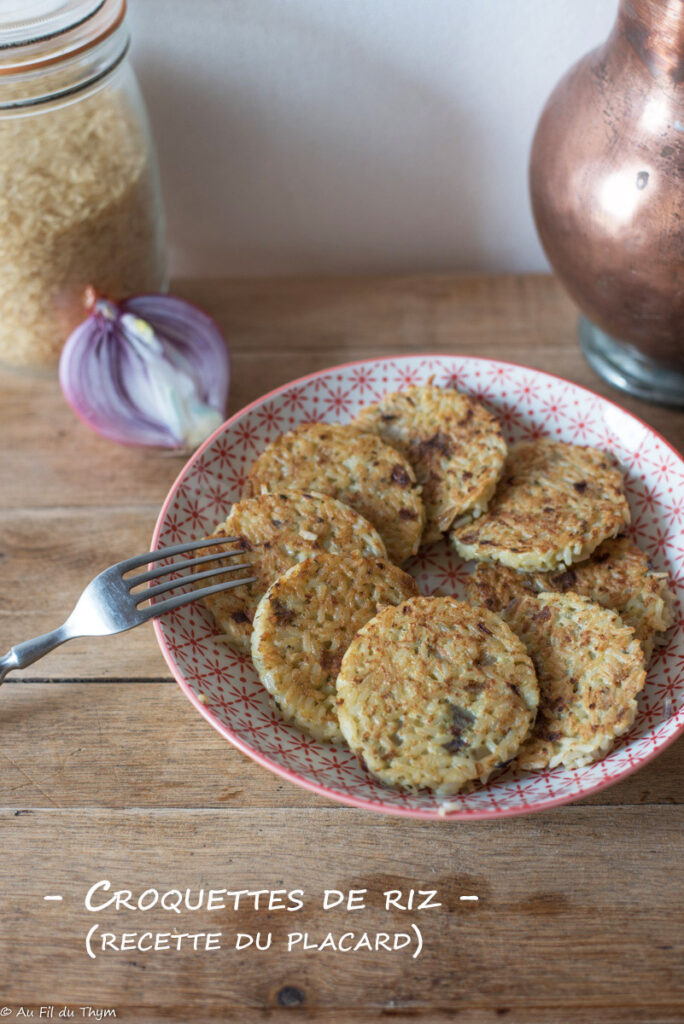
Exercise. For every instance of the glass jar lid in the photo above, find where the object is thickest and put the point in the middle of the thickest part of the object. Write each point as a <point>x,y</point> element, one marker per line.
<point>68,42</point>
<point>37,29</point>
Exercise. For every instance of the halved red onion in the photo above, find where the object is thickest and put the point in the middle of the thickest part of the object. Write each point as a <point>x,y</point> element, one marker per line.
<point>151,370</point>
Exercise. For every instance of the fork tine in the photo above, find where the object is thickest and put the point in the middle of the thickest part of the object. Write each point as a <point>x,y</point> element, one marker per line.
<point>185,563</point>
<point>176,602</point>
<point>176,549</point>
<point>174,584</point>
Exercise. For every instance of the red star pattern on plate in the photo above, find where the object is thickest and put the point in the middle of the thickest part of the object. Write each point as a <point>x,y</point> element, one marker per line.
<point>529,404</point>
<point>363,382</point>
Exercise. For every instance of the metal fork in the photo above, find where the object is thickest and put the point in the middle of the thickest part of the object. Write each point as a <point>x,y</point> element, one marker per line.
<point>107,605</point>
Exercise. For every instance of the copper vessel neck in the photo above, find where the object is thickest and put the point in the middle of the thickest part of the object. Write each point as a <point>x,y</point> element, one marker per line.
<point>655,31</point>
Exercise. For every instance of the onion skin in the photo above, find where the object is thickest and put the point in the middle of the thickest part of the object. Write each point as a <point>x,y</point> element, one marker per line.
<point>152,370</point>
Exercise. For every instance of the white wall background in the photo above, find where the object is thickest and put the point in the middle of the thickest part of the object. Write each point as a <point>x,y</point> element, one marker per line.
<point>337,136</point>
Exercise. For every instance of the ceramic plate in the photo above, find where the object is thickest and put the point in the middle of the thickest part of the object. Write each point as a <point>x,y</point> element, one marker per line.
<point>226,691</point>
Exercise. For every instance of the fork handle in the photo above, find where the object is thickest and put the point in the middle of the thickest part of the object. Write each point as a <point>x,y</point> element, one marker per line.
<point>24,654</point>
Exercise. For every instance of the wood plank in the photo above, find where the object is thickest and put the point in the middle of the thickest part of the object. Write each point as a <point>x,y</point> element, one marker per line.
<point>205,1011</point>
<point>122,778</point>
<point>102,504</point>
<point>282,329</point>
<point>209,1013</point>
<point>575,912</point>
<point>154,750</point>
<point>525,319</point>
<point>49,555</point>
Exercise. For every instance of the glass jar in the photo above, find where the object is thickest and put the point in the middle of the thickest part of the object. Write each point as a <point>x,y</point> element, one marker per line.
<point>80,204</point>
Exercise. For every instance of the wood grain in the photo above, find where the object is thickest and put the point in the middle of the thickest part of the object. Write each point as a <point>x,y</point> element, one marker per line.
<point>279,330</point>
<point>531,941</point>
<point>157,752</point>
<point>107,771</point>
<point>49,554</point>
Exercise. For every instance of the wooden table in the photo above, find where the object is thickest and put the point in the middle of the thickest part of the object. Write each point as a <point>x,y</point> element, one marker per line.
<point>109,773</point>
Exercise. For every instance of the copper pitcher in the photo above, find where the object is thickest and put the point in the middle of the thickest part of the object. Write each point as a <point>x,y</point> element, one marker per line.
<point>607,189</point>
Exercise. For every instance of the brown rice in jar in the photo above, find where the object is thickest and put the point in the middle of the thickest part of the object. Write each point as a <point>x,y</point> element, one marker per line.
<point>80,202</point>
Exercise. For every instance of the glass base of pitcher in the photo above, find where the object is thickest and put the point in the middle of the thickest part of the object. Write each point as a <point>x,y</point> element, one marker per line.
<point>627,369</point>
